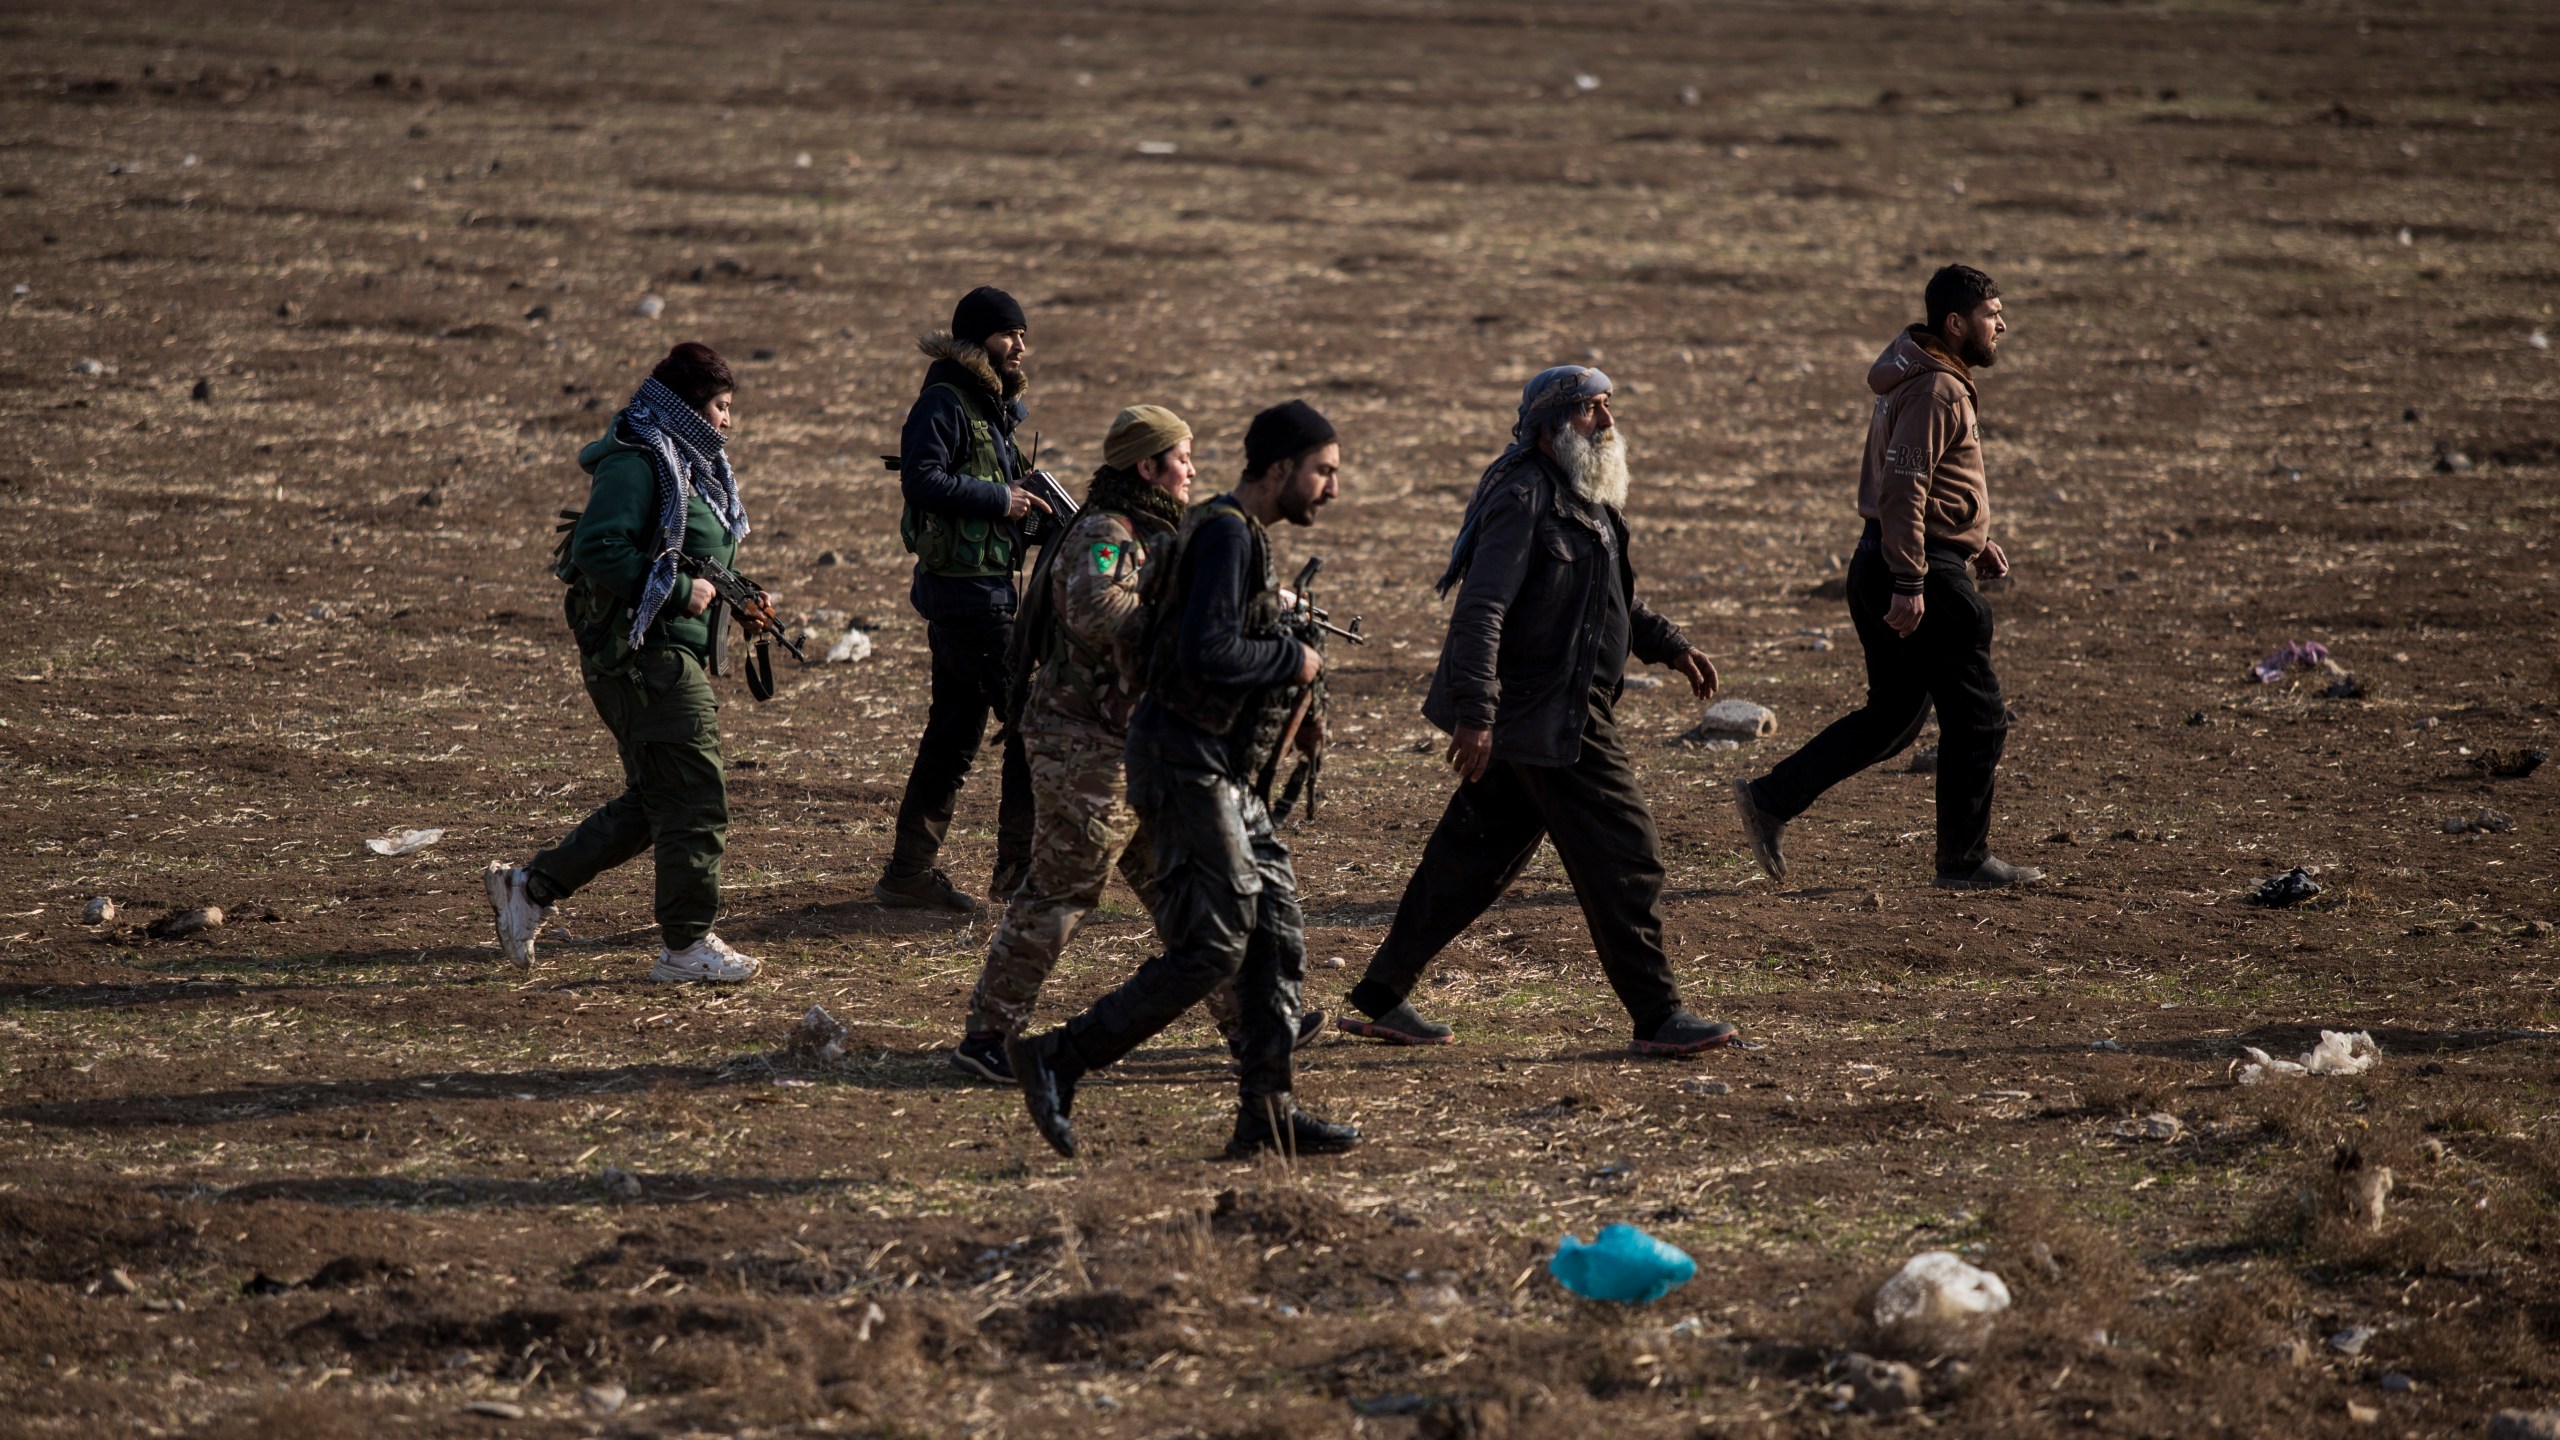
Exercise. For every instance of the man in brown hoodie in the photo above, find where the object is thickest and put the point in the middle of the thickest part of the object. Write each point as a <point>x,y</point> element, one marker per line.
<point>1925,628</point>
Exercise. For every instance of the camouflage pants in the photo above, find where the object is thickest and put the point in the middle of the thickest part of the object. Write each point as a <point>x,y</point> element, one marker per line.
<point>1084,828</point>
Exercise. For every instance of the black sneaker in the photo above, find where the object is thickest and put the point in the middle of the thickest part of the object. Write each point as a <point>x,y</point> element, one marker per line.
<point>982,1054</point>
<point>1762,829</point>
<point>1993,873</point>
<point>1686,1034</point>
<point>923,890</point>
<point>1274,1122</point>
<point>1048,1081</point>
<point>1400,1026</point>
<point>1310,1025</point>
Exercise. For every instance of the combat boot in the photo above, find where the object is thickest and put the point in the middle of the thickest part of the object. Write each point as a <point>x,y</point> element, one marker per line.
<point>1274,1122</point>
<point>922,890</point>
<point>1047,1071</point>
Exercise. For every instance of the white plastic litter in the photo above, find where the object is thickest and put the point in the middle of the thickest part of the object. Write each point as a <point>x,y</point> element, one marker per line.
<point>404,842</point>
<point>650,307</point>
<point>819,1035</point>
<point>2339,1052</point>
<point>853,645</point>
<point>1936,1287</point>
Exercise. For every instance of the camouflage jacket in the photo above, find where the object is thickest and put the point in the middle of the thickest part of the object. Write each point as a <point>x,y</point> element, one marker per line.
<point>1093,589</point>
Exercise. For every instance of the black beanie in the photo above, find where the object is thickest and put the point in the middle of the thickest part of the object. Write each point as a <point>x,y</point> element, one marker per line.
<point>983,312</point>
<point>1284,432</point>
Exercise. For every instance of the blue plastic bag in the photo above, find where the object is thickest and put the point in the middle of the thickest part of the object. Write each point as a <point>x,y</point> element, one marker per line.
<point>1624,1264</point>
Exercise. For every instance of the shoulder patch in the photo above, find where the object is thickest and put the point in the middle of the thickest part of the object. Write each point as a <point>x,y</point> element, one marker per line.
<point>1106,557</point>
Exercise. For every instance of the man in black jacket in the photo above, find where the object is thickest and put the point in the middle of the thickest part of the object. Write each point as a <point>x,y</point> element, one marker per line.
<point>957,468</point>
<point>1527,688</point>
<point>1222,683</point>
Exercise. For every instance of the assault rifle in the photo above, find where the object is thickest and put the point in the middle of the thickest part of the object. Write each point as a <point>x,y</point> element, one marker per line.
<point>737,595</point>
<point>1039,526</point>
<point>1308,625</point>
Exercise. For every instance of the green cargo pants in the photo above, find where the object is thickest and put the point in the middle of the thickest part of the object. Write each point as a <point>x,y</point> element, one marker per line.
<point>675,796</point>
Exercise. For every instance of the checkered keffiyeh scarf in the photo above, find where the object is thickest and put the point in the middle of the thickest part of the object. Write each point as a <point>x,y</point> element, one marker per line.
<point>688,457</point>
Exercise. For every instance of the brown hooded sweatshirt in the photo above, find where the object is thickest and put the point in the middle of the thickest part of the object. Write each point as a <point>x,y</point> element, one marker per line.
<point>1922,480</point>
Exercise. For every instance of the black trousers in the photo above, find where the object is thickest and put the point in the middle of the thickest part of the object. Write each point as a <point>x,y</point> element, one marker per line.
<point>1602,831</point>
<point>968,685</point>
<point>1226,908</point>
<point>1947,661</point>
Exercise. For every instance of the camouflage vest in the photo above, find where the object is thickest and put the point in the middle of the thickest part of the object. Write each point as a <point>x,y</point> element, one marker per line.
<point>965,546</point>
<point>1250,717</point>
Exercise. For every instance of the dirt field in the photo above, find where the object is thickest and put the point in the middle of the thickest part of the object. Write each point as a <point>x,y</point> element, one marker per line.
<point>319,301</point>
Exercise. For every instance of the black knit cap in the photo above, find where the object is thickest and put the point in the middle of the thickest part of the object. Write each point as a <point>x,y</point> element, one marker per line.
<point>983,312</point>
<point>1284,432</point>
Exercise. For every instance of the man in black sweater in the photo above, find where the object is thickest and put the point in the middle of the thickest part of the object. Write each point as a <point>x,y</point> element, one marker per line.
<point>1222,685</point>
<point>957,469</point>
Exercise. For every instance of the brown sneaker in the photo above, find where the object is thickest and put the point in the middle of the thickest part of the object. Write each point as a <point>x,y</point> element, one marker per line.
<point>1762,829</point>
<point>923,890</point>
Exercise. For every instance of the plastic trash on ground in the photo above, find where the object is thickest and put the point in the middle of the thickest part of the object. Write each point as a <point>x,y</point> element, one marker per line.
<point>2290,888</point>
<point>851,647</point>
<point>1938,1288</point>
<point>403,842</point>
<point>2338,1053</point>
<point>1623,1264</point>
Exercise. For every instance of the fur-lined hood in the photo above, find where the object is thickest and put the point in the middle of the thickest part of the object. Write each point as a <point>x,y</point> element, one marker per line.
<point>943,346</point>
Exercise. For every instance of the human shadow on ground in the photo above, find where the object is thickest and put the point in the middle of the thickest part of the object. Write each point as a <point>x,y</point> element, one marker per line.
<point>465,1191</point>
<point>255,1102</point>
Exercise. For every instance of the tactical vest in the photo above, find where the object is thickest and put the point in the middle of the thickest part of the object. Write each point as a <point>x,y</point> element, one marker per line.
<point>1250,717</point>
<point>965,546</point>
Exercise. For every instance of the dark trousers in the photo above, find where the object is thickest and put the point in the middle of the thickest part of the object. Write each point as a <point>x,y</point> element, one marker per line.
<point>675,797</point>
<point>1947,661</point>
<point>1602,831</point>
<point>968,685</point>
<point>1226,908</point>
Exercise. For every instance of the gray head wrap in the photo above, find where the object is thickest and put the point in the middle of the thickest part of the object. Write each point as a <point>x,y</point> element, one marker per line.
<point>1554,393</point>
<point>1551,395</point>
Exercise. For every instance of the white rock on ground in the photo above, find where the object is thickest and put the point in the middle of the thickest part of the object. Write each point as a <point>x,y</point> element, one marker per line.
<point>1735,717</point>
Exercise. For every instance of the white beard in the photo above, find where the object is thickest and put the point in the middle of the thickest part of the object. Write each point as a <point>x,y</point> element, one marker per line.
<point>1597,468</point>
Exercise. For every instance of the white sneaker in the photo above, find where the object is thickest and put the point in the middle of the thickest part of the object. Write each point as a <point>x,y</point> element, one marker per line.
<point>519,919</point>
<point>708,958</point>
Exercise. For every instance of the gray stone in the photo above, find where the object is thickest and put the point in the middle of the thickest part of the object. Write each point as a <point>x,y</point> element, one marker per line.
<point>2525,1425</point>
<point>1735,717</point>
<point>101,911</point>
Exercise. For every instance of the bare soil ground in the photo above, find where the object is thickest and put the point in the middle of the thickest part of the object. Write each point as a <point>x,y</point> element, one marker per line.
<point>333,1169</point>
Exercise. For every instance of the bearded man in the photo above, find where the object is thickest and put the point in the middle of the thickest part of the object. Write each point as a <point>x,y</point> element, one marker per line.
<point>1527,689</point>
<point>959,471</point>
<point>1924,626</point>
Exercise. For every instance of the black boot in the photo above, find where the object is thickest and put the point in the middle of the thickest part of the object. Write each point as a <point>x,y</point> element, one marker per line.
<point>1274,1122</point>
<point>1047,1071</point>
